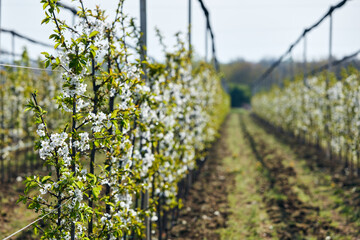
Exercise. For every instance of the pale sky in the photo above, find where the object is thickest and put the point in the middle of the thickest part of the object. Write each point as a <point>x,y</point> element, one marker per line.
<point>251,30</point>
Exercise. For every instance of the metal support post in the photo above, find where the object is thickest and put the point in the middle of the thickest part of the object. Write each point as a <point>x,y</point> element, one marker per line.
<point>330,42</point>
<point>206,42</point>
<point>305,59</point>
<point>13,46</point>
<point>0,28</point>
<point>143,41</point>
<point>143,37</point>
<point>189,30</point>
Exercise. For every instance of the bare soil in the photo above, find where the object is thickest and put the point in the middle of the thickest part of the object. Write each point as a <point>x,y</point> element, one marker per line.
<point>301,218</point>
<point>206,207</point>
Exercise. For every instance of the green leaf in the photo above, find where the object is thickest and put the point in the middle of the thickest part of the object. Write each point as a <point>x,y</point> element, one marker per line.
<point>56,45</point>
<point>45,4</point>
<point>45,20</point>
<point>93,34</point>
<point>96,190</point>
<point>44,179</point>
<point>32,205</point>
<point>21,198</point>
<point>93,47</point>
<point>47,63</point>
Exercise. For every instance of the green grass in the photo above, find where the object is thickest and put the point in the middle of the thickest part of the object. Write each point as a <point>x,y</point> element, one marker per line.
<point>248,219</point>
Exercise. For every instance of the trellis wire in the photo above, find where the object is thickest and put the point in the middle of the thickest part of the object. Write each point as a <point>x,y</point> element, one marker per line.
<point>258,82</point>
<point>35,221</point>
<point>31,68</point>
<point>19,35</point>
<point>334,63</point>
<point>329,66</point>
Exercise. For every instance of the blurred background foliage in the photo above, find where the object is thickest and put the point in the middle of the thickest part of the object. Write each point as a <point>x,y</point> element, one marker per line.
<point>240,74</point>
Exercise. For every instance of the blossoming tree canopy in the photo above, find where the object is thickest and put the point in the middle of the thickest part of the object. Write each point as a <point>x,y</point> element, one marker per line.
<point>119,135</point>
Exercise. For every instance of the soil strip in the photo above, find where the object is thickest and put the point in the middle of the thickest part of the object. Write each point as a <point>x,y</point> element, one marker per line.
<point>206,208</point>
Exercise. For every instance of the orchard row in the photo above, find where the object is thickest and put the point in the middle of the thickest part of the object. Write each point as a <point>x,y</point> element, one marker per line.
<point>125,132</point>
<point>324,110</point>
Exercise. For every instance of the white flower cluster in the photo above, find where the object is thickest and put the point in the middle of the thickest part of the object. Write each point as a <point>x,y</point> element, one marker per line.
<point>45,189</point>
<point>41,130</point>
<point>76,88</point>
<point>83,144</point>
<point>99,120</point>
<point>56,145</point>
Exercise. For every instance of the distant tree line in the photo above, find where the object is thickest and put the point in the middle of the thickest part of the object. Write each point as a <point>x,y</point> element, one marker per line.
<point>240,74</point>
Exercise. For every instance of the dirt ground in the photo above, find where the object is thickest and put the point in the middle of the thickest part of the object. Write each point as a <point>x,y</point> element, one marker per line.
<point>14,216</point>
<point>206,207</point>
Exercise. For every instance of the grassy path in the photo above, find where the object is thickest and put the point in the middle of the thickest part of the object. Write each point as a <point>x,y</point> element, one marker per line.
<point>248,218</point>
<point>292,201</point>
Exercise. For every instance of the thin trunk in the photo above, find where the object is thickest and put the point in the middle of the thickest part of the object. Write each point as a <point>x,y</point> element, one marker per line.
<point>73,154</point>
<point>93,149</point>
<point>110,131</point>
<point>2,137</point>
<point>358,163</point>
